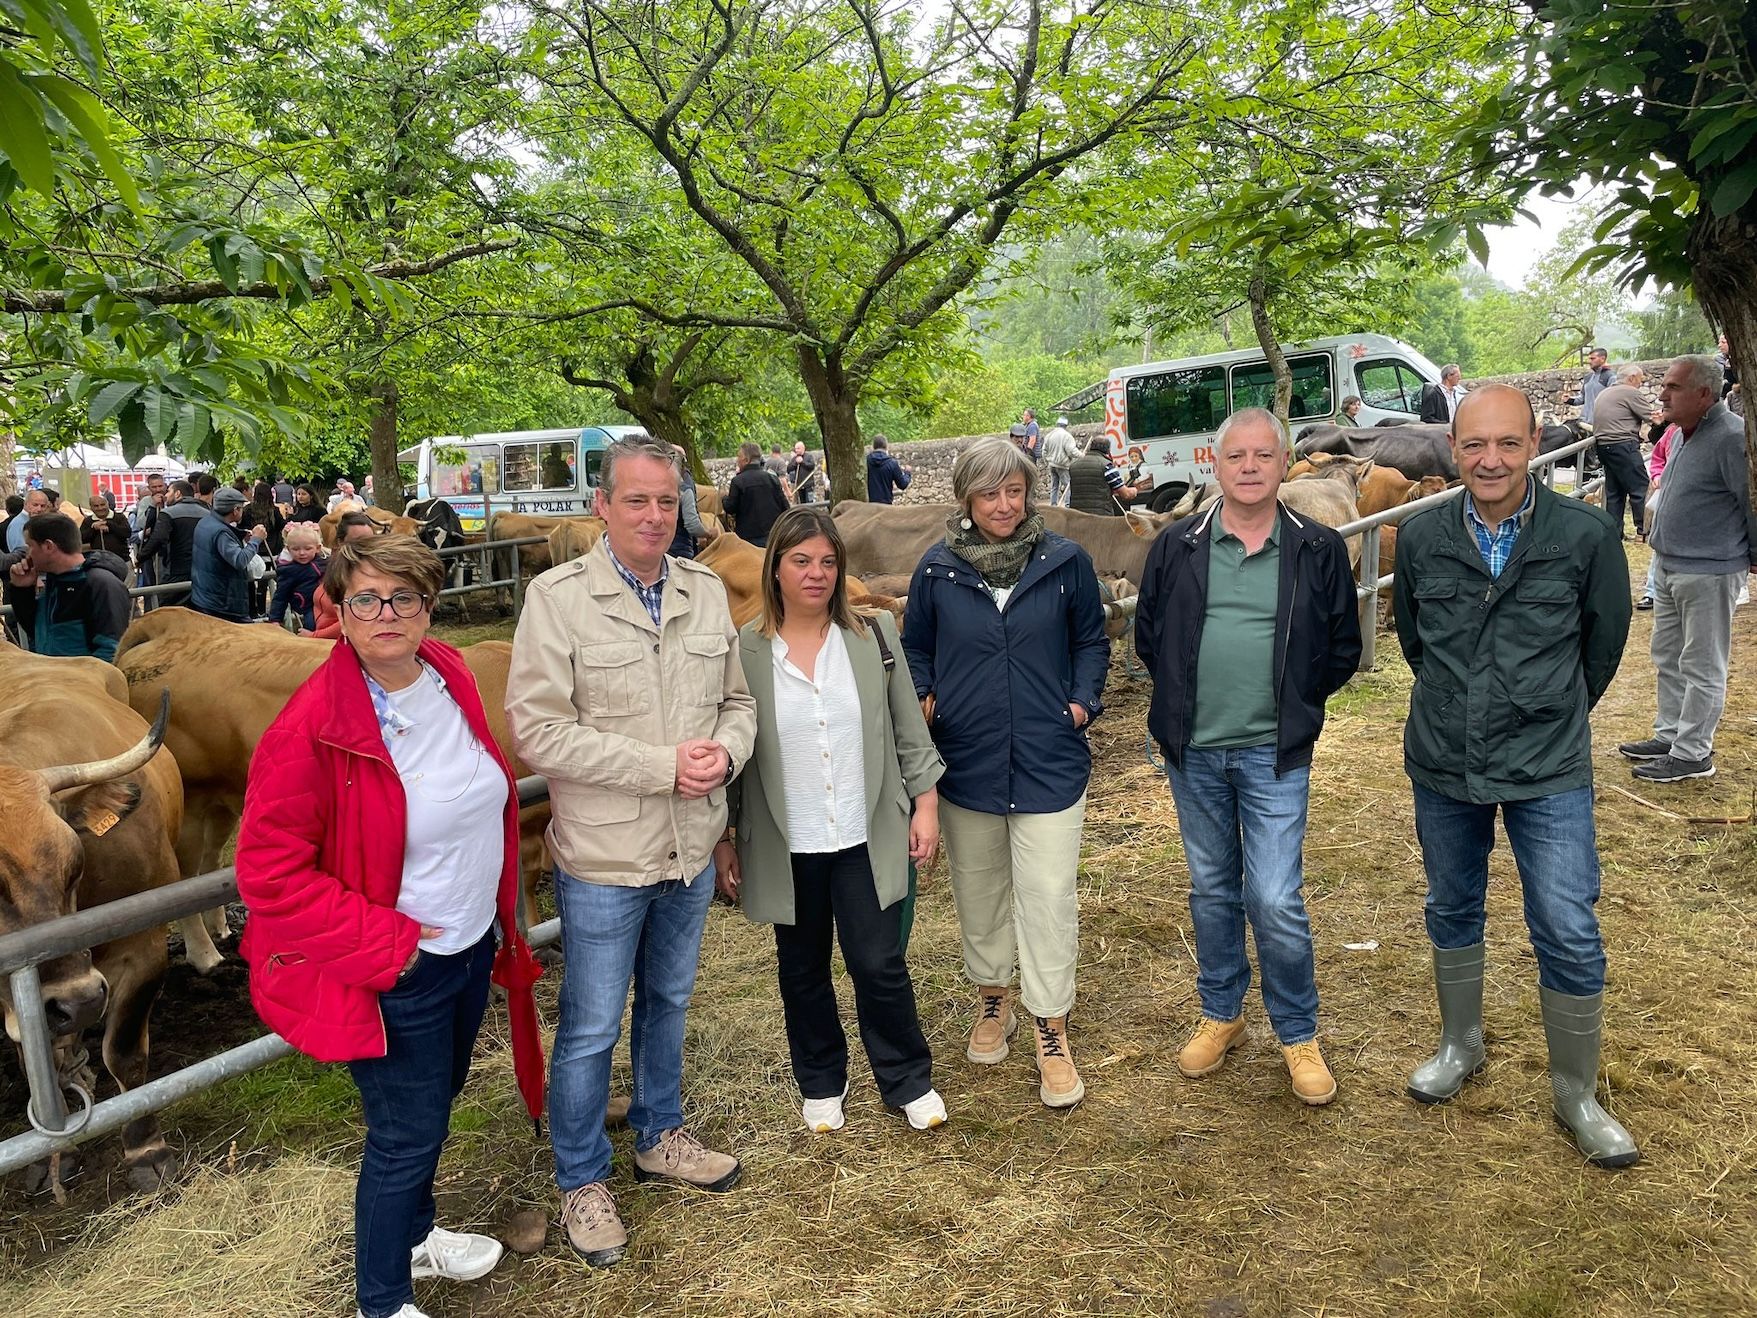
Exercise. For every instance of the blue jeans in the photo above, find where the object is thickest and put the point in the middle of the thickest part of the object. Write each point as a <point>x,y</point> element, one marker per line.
<point>1557,854</point>
<point>1242,829</point>
<point>430,1023</point>
<point>610,935</point>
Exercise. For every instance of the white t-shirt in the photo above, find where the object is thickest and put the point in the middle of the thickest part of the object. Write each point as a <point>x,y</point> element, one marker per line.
<point>456,839</point>
<point>823,755</point>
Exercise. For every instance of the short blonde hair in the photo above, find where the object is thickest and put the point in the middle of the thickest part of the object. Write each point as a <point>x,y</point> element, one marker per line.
<point>987,465</point>
<point>306,533</point>
<point>399,556</point>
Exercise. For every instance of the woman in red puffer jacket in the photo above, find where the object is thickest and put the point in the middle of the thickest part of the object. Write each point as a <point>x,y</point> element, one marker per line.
<point>378,858</point>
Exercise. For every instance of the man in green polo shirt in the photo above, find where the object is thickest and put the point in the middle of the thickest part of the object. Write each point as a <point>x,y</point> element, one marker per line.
<point>1247,623</point>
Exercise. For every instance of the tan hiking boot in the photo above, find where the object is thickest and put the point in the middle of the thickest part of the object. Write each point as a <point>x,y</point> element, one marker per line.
<point>680,1156</point>
<point>616,1114</point>
<point>1206,1051</point>
<point>995,1024</point>
<point>589,1217</point>
<point>1313,1084</point>
<point>1059,1084</point>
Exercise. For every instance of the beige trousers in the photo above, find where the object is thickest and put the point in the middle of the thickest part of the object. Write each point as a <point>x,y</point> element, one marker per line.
<point>1013,879</point>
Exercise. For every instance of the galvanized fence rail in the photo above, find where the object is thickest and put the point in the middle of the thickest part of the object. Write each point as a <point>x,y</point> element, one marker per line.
<point>1368,582</point>
<point>53,1128</point>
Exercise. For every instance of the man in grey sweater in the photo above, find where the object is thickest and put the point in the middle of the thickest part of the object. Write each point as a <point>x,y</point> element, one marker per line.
<point>1704,542</point>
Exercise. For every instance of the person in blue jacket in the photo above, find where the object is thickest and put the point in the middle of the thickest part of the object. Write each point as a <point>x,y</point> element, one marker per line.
<point>1004,631</point>
<point>220,568</point>
<point>884,474</point>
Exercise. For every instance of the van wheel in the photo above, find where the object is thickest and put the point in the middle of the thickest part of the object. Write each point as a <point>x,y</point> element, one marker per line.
<point>1164,500</point>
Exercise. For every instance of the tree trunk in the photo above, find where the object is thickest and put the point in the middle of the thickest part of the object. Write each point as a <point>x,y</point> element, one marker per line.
<point>1723,266</point>
<point>1258,294</point>
<point>387,482</point>
<point>834,399</point>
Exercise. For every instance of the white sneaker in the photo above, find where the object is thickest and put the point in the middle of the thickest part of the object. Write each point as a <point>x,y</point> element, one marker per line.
<point>454,1255</point>
<point>407,1311</point>
<point>823,1115</point>
<point>927,1111</point>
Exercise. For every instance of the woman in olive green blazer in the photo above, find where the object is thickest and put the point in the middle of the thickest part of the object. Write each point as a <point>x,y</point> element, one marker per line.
<point>839,681</point>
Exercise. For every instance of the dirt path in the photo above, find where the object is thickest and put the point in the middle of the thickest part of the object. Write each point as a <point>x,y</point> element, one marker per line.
<point>1161,1195</point>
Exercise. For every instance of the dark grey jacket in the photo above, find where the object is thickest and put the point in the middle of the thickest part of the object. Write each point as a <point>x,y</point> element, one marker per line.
<point>1706,523</point>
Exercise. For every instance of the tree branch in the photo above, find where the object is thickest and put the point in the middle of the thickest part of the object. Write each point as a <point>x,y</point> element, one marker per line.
<point>50,301</point>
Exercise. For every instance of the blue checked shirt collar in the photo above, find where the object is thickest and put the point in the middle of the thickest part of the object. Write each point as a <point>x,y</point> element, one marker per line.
<point>649,596</point>
<point>1497,544</point>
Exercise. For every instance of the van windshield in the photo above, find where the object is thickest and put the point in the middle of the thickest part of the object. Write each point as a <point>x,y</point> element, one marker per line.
<point>1253,385</point>
<point>1191,402</point>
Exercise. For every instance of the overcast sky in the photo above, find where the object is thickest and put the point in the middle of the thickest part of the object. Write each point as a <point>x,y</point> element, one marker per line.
<point>1515,249</point>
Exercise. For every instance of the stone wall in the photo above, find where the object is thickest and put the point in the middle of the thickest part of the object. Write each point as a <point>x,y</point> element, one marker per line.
<point>1550,390</point>
<point>932,459</point>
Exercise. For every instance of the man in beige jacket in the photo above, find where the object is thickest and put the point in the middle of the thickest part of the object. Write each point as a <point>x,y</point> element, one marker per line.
<point>626,692</point>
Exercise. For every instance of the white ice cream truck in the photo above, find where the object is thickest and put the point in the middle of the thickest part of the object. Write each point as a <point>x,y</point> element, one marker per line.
<point>1161,416</point>
<point>550,472</point>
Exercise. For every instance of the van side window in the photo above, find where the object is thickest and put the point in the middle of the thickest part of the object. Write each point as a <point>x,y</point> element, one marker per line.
<point>1253,385</point>
<point>1176,403</point>
<point>546,466</point>
<point>1389,385</point>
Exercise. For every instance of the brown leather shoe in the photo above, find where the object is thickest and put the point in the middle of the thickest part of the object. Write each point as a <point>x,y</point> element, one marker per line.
<point>680,1156</point>
<point>1206,1051</point>
<point>995,1024</point>
<point>1313,1084</point>
<point>1059,1084</point>
<point>616,1114</point>
<point>589,1217</point>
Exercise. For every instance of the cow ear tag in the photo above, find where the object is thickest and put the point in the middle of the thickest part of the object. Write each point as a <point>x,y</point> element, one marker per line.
<point>101,824</point>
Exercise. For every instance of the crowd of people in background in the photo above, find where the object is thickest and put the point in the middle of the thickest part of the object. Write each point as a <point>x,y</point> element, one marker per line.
<point>244,551</point>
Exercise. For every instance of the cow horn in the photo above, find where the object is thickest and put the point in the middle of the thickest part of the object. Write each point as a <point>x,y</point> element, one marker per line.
<point>62,777</point>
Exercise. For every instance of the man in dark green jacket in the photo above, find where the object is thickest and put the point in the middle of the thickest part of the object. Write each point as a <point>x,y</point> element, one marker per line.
<point>1512,608</point>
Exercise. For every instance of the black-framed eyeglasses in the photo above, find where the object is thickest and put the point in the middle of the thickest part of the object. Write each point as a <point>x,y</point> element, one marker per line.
<point>369,608</point>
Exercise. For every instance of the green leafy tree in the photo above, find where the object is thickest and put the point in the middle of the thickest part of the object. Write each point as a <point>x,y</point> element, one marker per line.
<point>1323,184</point>
<point>857,165</point>
<point>1671,326</point>
<point>1657,105</point>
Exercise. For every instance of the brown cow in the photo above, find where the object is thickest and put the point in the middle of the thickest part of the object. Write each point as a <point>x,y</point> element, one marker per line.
<point>1329,502</point>
<point>707,501</point>
<point>390,522</point>
<point>74,836</point>
<point>889,539</point>
<point>227,684</point>
<point>739,565</point>
<point>573,537</point>
<point>516,526</point>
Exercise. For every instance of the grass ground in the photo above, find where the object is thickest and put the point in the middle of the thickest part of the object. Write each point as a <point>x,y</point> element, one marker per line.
<point>1159,1195</point>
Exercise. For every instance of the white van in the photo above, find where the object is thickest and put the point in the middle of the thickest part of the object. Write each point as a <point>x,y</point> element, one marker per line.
<point>552,472</point>
<point>1162,416</point>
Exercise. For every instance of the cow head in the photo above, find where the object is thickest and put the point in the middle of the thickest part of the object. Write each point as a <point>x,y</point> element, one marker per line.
<point>47,817</point>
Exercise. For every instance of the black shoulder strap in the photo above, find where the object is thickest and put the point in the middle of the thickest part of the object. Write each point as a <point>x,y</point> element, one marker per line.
<point>885,656</point>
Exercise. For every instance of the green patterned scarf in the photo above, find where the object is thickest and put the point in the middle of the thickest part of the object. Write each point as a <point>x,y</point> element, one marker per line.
<point>1001,562</point>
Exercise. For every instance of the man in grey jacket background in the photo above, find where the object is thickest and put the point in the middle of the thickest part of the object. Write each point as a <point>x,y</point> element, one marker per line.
<point>1704,542</point>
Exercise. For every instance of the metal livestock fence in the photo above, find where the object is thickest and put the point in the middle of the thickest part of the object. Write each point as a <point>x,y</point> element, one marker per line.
<point>53,1128</point>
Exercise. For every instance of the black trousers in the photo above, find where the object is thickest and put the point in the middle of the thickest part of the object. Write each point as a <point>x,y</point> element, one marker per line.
<point>1625,478</point>
<point>836,889</point>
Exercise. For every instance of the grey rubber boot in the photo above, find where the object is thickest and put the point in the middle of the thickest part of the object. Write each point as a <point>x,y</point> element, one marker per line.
<point>1458,983</point>
<point>1572,1025</point>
